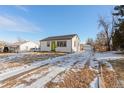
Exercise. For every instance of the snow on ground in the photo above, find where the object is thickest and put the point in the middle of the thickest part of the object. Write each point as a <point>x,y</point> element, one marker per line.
<point>111,55</point>
<point>65,63</point>
<point>45,79</point>
<point>15,71</point>
<point>60,77</point>
<point>83,59</point>
<point>80,62</point>
<point>94,83</point>
<point>12,57</point>
<point>58,65</point>
<point>103,57</point>
<point>93,63</point>
<point>8,72</point>
<point>108,65</point>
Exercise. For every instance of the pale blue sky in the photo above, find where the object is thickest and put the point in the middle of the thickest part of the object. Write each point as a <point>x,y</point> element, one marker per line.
<point>37,22</point>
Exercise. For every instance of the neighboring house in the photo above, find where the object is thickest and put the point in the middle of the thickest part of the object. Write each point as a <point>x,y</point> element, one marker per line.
<point>23,46</point>
<point>1,48</point>
<point>63,43</point>
<point>81,47</point>
<point>87,47</point>
<point>2,45</point>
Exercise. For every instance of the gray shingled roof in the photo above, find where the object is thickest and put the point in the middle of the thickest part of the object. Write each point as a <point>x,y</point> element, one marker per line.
<point>62,37</point>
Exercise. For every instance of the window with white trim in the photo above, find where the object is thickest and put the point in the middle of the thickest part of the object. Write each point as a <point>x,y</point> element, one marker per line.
<point>61,44</point>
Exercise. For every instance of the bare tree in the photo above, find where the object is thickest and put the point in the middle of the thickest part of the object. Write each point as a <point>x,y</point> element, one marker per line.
<point>90,41</point>
<point>101,39</point>
<point>107,31</point>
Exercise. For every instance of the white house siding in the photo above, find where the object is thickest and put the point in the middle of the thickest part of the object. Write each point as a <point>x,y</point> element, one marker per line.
<point>43,46</point>
<point>1,48</point>
<point>75,48</point>
<point>27,46</point>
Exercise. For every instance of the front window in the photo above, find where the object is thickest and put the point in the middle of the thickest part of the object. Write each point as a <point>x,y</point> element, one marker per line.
<point>61,44</point>
<point>74,43</point>
<point>48,43</point>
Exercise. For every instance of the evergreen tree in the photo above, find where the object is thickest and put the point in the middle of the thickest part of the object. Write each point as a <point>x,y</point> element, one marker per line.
<point>118,37</point>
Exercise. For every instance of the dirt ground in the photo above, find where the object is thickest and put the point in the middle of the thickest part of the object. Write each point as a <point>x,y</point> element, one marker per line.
<point>118,66</point>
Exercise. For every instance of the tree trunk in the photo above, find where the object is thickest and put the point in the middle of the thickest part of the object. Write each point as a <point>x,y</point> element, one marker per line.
<point>108,46</point>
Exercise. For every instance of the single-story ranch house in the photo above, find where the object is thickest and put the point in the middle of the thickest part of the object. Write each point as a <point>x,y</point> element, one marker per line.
<point>64,43</point>
<point>24,46</point>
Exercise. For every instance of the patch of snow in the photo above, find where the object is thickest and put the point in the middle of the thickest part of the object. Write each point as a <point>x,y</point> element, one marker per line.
<point>22,69</point>
<point>82,59</point>
<point>20,86</point>
<point>45,79</point>
<point>36,76</point>
<point>109,66</point>
<point>108,56</point>
<point>59,78</point>
<point>11,69</point>
<point>94,83</point>
<point>13,72</point>
<point>12,57</point>
<point>94,63</point>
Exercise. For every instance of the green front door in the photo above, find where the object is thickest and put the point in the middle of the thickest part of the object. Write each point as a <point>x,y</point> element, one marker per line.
<point>53,46</point>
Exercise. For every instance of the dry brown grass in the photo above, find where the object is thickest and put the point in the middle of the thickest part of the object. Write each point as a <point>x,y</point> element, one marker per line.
<point>109,77</point>
<point>118,66</point>
<point>72,79</point>
<point>12,64</point>
<point>57,53</point>
<point>8,65</point>
<point>30,58</point>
